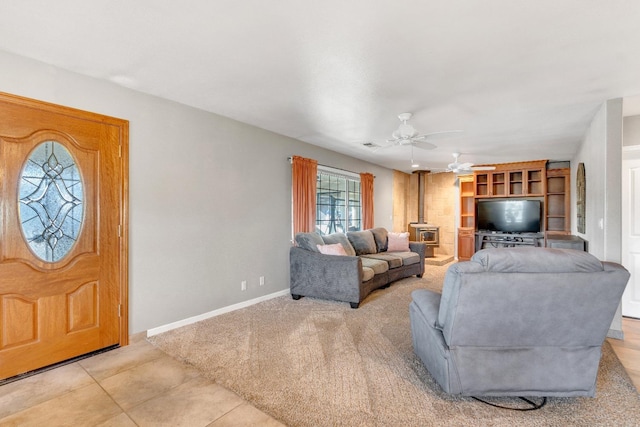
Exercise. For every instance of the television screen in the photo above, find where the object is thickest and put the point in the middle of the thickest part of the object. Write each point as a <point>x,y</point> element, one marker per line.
<point>509,216</point>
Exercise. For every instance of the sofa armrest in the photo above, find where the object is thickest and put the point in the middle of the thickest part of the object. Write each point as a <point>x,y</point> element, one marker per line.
<point>325,276</point>
<point>421,249</point>
<point>427,302</point>
<point>418,247</point>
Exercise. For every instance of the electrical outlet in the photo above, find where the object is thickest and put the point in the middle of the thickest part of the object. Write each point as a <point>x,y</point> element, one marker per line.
<point>243,285</point>
<point>261,280</point>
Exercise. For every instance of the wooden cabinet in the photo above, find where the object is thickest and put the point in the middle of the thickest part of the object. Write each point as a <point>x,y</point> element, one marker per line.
<point>535,182</point>
<point>466,236</point>
<point>558,201</point>
<point>467,202</point>
<point>517,183</point>
<point>466,243</point>
<point>521,179</point>
<point>491,184</point>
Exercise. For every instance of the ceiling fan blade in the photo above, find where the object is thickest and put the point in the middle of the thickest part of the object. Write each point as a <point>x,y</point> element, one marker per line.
<point>442,132</point>
<point>483,168</point>
<point>424,145</point>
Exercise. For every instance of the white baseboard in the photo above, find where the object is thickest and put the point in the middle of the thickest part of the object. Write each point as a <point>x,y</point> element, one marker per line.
<point>223,310</point>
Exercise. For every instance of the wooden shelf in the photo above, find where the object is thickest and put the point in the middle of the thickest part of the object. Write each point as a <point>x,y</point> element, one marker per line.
<point>558,201</point>
<point>466,237</point>
<point>522,179</point>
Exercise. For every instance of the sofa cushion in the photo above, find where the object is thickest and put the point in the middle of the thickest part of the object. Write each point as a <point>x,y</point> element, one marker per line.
<point>380,236</point>
<point>408,258</point>
<point>398,242</point>
<point>362,241</point>
<point>391,259</point>
<point>309,241</point>
<point>334,249</point>
<point>342,239</point>
<point>378,266</point>
<point>367,274</point>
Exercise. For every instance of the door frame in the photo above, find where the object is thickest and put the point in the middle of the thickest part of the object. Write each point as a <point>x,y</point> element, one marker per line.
<point>123,130</point>
<point>630,157</point>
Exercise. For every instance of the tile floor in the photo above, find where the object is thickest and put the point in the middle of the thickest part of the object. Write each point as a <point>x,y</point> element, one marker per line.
<point>136,385</point>
<point>139,385</point>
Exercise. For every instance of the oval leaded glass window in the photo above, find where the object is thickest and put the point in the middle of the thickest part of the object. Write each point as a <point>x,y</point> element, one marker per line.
<point>51,201</point>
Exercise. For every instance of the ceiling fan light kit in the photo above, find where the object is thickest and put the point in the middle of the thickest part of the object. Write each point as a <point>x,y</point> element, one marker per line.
<point>408,135</point>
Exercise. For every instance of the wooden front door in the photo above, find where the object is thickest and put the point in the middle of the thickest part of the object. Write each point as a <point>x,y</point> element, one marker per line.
<point>63,246</point>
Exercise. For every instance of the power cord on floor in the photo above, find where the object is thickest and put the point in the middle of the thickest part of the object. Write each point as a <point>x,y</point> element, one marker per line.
<point>534,406</point>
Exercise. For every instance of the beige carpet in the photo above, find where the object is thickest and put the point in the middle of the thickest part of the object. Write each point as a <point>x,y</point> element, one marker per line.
<point>320,363</point>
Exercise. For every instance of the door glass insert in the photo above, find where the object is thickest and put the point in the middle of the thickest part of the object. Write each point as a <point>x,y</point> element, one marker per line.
<point>51,201</point>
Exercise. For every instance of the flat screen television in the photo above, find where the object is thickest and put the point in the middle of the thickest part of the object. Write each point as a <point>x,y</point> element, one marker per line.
<point>509,216</point>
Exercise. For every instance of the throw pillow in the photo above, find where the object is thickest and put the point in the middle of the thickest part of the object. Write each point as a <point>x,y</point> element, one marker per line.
<point>341,238</point>
<point>335,249</point>
<point>362,241</point>
<point>398,242</point>
<point>380,236</point>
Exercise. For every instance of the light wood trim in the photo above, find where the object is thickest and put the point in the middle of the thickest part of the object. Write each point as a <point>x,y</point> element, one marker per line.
<point>531,164</point>
<point>124,233</point>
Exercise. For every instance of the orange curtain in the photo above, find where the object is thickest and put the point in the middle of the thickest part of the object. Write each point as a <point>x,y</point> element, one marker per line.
<point>366,192</point>
<point>304,173</point>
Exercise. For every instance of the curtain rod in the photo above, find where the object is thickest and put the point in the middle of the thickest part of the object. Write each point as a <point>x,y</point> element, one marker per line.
<point>327,166</point>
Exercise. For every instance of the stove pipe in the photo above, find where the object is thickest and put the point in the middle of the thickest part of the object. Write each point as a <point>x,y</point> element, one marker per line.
<point>422,177</point>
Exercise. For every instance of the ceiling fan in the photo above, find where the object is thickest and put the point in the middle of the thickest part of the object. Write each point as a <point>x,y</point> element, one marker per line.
<point>461,168</point>
<point>408,135</point>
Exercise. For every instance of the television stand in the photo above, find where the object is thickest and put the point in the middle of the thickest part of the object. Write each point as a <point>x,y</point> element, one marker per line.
<point>491,239</point>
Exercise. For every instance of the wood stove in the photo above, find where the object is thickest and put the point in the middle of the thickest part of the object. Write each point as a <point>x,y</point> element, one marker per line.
<point>426,233</point>
<point>421,231</point>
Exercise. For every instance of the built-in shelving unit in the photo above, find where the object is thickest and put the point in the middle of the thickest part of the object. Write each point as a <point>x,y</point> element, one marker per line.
<point>557,203</point>
<point>529,179</point>
<point>516,180</point>
<point>466,231</point>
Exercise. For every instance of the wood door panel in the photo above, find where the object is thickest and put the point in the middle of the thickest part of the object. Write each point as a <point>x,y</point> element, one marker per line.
<point>33,283</point>
<point>82,307</point>
<point>54,308</point>
<point>59,314</point>
<point>19,321</point>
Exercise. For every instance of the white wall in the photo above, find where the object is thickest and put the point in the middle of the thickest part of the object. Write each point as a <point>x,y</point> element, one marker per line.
<point>601,153</point>
<point>210,200</point>
<point>631,131</point>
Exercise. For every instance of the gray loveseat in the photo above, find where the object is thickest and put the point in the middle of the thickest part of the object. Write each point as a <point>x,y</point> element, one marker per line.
<point>518,322</point>
<point>366,267</point>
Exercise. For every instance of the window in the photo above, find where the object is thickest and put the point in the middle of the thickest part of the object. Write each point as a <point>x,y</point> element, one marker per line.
<point>51,201</point>
<point>338,202</point>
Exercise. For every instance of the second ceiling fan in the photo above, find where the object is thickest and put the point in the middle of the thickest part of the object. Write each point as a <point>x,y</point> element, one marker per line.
<point>463,168</point>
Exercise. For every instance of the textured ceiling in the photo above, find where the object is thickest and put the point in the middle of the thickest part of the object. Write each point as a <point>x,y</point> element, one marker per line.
<point>522,79</point>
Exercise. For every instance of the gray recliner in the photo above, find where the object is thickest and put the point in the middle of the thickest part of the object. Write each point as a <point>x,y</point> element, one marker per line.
<point>518,322</point>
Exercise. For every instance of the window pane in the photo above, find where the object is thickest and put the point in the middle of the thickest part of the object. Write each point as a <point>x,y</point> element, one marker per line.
<point>338,204</point>
<point>51,201</point>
